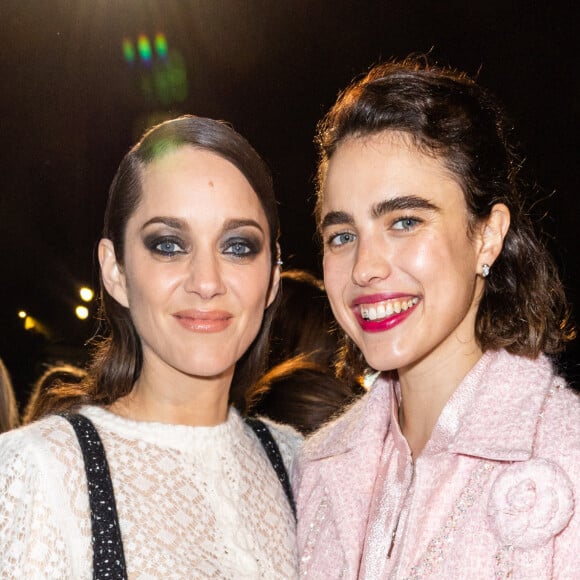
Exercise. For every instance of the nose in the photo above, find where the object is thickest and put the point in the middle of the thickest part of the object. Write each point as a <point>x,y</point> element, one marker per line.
<point>204,275</point>
<point>372,263</point>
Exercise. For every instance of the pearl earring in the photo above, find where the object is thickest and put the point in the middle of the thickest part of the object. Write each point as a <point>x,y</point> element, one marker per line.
<point>485,270</point>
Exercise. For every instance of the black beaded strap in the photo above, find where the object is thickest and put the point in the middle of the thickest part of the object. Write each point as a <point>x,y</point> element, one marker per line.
<point>108,555</point>
<point>274,455</point>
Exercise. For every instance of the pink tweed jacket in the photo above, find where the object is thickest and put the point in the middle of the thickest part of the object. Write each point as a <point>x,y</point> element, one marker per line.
<point>494,494</point>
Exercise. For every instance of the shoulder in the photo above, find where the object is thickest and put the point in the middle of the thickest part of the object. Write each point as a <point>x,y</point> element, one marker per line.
<point>35,454</point>
<point>559,426</point>
<point>49,432</point>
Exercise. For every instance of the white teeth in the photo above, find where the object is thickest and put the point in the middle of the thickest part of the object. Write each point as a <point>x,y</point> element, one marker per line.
<point>385,309</point>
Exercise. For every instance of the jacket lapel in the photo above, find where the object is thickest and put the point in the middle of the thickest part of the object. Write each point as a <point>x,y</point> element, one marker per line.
<point>346,456</point>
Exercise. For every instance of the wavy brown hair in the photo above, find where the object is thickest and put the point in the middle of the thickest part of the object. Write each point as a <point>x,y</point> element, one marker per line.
<point>117,356</point>
<point>448,115</point>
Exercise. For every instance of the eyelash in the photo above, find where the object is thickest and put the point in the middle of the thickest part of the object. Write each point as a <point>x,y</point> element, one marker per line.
<point>234,247</point>
<point>411,222</point>
<point>333,239</point>
<point>249,247</point>
<point>408,223</point>
<point>155,246</point>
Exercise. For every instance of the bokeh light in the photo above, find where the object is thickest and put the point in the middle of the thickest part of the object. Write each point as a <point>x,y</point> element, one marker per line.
<point>86,294</point>
<point>21,314</point>
<point>82,312</point>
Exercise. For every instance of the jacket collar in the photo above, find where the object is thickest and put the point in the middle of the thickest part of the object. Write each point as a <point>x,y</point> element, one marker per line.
<point>493,414</point>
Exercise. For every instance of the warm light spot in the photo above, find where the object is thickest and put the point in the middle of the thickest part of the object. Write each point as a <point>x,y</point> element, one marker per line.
<point>21,314</point>
<point>29,323</point>
<point>82,312</point>
<point>86,294</point>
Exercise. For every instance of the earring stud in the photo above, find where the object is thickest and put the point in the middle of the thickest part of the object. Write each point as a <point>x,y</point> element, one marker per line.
<point>279,262</point>
<point>485,271</point>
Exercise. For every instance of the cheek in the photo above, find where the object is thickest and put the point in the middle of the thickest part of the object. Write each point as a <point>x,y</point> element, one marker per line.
<point>150,282</point>
<point>336,278</point>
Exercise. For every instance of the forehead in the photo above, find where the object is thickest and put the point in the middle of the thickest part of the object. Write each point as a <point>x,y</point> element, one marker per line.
<point>386,165</point>
<point>194,182</point>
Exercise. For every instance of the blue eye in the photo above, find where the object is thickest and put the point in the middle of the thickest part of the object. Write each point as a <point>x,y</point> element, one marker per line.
<point>241,247</point>
<point>405,223</point>
<point>168,247</point>
<point>341,239</point>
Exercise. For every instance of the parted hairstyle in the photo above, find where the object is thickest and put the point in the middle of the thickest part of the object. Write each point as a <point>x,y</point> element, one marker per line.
<point>449,116</point>
<point>117,354</point>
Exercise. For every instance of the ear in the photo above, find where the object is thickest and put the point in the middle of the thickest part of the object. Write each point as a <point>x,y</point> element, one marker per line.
<point>492,235</point>
<point>112,273</point>
<point>275,278</point>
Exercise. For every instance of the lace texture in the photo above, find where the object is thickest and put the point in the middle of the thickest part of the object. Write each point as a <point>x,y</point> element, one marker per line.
<point>198,502</point>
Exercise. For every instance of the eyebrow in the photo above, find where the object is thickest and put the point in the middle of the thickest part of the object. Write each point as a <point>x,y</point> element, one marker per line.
<point>380,209</point>
<point>400,203</point>
<point>179,224</point>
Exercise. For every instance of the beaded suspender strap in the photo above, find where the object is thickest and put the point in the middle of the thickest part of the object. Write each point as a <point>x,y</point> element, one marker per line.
<point>274,455</point>
<point>108,555</point>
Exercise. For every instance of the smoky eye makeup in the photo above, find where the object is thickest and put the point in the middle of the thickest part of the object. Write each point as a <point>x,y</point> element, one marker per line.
<point>164,244</point>
<point>242,244</point>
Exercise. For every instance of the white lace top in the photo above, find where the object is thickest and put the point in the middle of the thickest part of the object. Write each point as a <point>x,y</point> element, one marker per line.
<point>193,502</point>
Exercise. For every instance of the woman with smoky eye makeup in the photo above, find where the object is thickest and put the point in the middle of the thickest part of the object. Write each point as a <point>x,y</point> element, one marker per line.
<point>148,467</point>
<point>463,459</point>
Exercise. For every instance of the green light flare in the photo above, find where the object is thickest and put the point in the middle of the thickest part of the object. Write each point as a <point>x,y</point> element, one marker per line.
<point>161,45</point>
<point>128,50</point>
<point>144,47</point>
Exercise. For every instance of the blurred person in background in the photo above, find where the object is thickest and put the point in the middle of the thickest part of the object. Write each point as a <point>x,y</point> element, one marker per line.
<point>54,377</point>
<point>9,418</point>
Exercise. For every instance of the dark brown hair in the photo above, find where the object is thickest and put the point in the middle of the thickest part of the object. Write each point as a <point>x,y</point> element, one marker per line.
<point>448,115</point>
<point>302,393</point>
<point>304,323</point>
<point>117,355</point>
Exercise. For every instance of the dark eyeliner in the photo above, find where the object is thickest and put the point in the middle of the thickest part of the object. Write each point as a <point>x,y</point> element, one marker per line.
<point>153,241</point>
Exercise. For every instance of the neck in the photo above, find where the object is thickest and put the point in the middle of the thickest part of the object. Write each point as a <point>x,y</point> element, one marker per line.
<point>425,390</point>
<point>175,398</point>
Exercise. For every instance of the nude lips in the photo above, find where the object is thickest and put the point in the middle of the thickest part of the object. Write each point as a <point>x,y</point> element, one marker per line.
<point>203,321</point>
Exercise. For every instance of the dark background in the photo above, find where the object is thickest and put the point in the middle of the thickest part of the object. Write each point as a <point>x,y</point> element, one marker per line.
<point>72,104</point>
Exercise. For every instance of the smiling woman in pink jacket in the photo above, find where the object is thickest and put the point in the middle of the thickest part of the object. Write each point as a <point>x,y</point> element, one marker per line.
<point>463,460</point>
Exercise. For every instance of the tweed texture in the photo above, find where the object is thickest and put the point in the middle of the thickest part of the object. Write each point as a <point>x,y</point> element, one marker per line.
<point>494,494</point>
